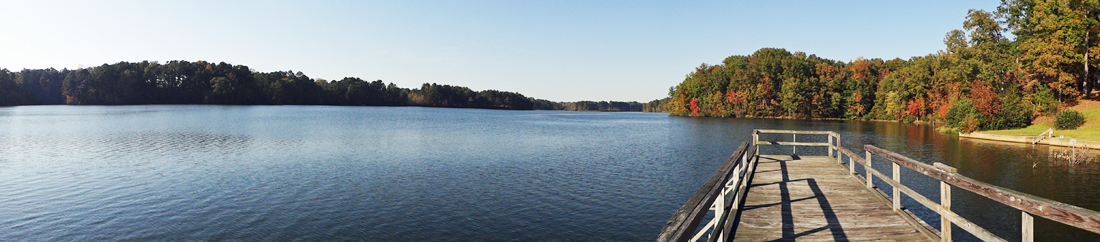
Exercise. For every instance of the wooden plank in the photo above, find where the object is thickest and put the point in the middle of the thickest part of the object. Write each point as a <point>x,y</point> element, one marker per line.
<point>726,224</point>
<point>774,131</point>
<point>851,154</point>
<point>1027,227</point>
<point>945,214</point>
<point>923,227</point>
<point>1059,212</point>
<point>897,192</point>
<point>837,147</point>
<point>945,202</point>
<point>813,198</point>
<point>791,143</point>
<point>761,209</point>
<point>683,223</point>
<point>868,169</point>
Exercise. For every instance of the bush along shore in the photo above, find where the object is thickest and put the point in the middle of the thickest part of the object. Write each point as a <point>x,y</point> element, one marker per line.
<point>1086,120</point>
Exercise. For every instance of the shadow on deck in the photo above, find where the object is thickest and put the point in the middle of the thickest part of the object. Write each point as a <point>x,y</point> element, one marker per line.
<point>811,198</point>
<point>756,197</point>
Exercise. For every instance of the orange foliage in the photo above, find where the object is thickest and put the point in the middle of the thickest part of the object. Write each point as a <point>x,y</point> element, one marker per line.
<point>985,100</point>
<point>861,70</point>
<point>694,106</point>
<point>942,99</point>
<point>915,108</point>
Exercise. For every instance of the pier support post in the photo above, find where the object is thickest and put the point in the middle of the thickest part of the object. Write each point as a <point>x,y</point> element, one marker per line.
<point>897,193</point>
<point>851,165</point>
<point>837,148</point>
<point>945,202</point>
<point>1028,227</point>
<point>756,141</point>
<point>719,211</point>
<point>794,148</point>
<point>867,168</point>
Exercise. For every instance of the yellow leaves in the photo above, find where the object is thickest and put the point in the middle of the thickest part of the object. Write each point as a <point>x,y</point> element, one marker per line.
<point>894,104</point>
<point>861,69</point>
<point>855,104</point>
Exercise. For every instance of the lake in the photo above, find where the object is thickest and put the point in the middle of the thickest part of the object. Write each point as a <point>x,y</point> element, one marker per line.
<point>199,172</point>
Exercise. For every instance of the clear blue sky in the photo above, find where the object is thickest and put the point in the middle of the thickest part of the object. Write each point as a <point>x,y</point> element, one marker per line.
<point>561,51</point>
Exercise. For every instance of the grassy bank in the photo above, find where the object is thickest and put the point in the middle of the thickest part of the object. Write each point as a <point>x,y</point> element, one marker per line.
<point>1089,131</point>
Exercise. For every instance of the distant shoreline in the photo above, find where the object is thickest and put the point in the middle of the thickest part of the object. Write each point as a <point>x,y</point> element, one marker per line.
<point>201,82</point>
<point>324,105</point>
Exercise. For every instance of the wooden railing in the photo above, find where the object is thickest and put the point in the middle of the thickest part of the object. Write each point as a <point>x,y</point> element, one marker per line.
<point>832,142</point>
<point>1028,204</point>
<point>725,190</point>
<point>736,174</point>
<point>730,179</point>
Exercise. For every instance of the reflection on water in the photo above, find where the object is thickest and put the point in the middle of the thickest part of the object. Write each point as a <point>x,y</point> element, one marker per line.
<point>410,174</point>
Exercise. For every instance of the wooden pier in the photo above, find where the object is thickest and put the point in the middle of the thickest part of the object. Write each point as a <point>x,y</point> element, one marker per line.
<point>812,198</point>
<point>791,197</point>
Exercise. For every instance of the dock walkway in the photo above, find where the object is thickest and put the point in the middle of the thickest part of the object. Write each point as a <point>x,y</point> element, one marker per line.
<point>813,198</point>
<point>796,197</point>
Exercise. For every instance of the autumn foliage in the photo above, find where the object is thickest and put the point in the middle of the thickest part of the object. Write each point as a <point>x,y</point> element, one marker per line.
<point>981,80</point>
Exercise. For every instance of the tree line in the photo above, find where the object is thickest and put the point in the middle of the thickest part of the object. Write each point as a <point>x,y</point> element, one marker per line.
<point>981,80</point>
<point>200,82</point>
<point>602,106</point>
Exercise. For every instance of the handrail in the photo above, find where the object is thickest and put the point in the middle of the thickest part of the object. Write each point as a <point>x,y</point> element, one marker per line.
<point>1028,204</point>
<point>1048,133</point>
<point>783,131</point>
<point>736,173</point>
<point>686,220</point>
<point>833,142</point>
<point>730,184</point>
<point>943,208</point>
<point>729,206</point>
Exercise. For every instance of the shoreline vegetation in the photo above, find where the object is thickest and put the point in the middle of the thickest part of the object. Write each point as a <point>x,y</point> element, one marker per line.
<point>200,82</point>
<point>1004,70</point>
<point>1090,130</point>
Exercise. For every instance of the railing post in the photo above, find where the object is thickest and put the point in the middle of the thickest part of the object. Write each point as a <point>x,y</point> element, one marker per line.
<point>756,140</point>
<point>851,165</point>
<point>1028,227</point>
<point>837,148</point>
<point>867,168</point>
<point>897,193</point>
<point>831,147</point>
<point>719,210</point>
<point>794,148</point>
<point>945,202</point>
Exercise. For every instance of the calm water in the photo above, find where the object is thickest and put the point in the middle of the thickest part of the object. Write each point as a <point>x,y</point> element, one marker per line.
<point>412,174</point>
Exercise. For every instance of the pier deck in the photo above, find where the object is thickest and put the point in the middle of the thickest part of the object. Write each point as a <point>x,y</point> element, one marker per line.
<point>762,197</point>
<point>812,198</point>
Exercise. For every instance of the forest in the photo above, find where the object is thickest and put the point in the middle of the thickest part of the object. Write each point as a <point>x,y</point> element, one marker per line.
<point>200,82</point>
<point>1001,70</point>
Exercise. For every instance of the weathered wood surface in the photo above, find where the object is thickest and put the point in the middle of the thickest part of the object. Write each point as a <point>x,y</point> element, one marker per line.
<point>791,143</point>
<point>687,218</point>
<point>948,216</point>
<point>780,131</point>
<point>812,198</point>
<point>1059,212</point>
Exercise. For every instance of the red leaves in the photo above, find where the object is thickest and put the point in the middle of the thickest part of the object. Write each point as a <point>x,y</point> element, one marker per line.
<point>694,106</point>
<point>915,108</point>
<point>985,100</point>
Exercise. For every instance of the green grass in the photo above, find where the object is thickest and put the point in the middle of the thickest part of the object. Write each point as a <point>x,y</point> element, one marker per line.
<point>1089,131</point>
